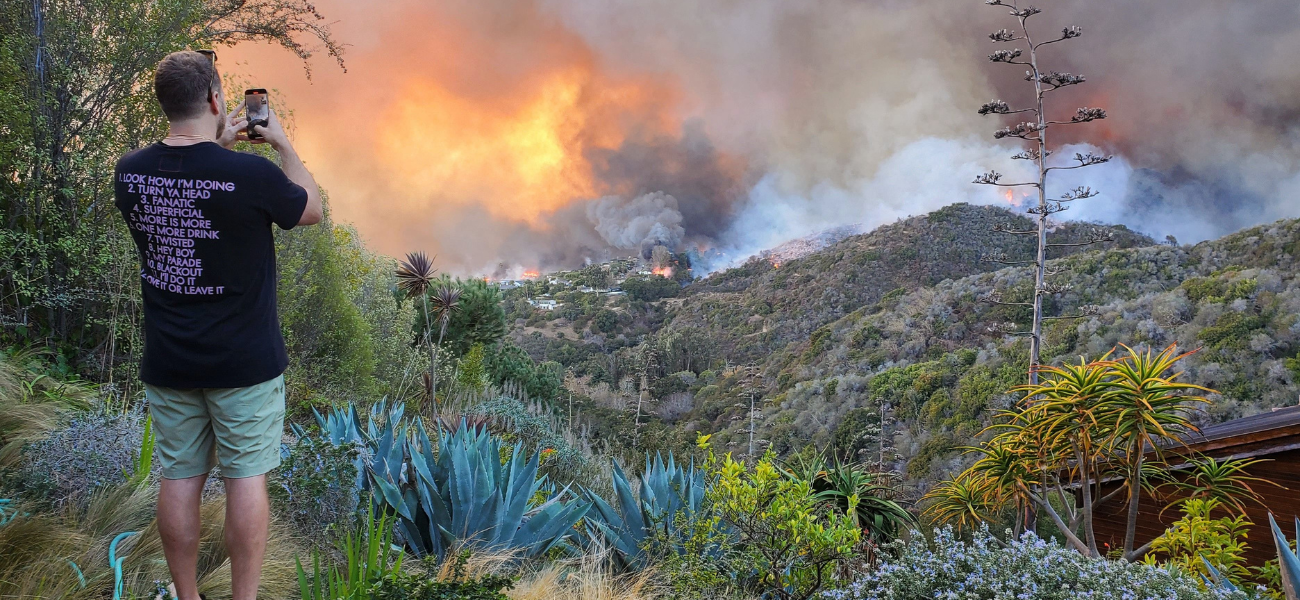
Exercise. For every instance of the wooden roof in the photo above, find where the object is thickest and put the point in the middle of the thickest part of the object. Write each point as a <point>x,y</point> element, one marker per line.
<point>1265,433</point>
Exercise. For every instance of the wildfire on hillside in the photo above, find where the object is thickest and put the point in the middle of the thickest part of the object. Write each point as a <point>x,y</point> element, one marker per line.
<point>530,275</point>
<point>666,272</point>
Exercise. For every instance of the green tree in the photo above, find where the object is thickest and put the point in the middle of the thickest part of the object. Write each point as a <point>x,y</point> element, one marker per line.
<point>76,94</point>
<point>472,373</point>
<point>325,331</point>
<point>794,541</point>
<point>605,321</point>
<point>479,319</point>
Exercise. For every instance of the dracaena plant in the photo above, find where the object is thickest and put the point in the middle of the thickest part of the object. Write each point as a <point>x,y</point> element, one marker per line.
<point>1082,424</point>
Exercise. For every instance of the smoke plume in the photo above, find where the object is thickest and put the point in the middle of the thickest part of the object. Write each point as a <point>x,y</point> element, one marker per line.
<point>548,133</point>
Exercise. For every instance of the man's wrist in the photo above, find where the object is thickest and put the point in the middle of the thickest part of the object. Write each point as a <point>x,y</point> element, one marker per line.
<point>283,147</point>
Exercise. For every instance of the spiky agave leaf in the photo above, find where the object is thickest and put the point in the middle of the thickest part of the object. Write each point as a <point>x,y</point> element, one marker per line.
<point>415,274</point>
<point>667,490</point>
<point>1288,562</point>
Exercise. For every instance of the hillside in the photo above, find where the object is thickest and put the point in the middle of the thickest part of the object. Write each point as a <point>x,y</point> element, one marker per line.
<point>928,354</point>
<point>759,308</point>
<point>893,318</point>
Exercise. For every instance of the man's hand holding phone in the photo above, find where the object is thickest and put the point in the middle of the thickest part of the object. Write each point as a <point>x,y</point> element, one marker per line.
<point>271,133</point>
<point>234,129</point>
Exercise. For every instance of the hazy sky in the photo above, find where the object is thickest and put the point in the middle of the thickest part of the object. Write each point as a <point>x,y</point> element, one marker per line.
<point>542,133</point>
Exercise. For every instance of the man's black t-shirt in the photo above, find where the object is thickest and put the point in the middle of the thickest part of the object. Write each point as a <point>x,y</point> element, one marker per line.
<point>201,217</point>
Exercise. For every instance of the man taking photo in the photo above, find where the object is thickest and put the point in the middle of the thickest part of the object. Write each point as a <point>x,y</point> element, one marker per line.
<point>201,217</point>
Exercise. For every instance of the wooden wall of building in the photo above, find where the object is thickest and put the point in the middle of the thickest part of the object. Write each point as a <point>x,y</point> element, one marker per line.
<point>1110,520</point>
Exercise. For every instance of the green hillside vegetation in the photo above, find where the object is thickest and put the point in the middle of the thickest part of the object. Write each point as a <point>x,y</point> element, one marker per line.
<point>929,355</point>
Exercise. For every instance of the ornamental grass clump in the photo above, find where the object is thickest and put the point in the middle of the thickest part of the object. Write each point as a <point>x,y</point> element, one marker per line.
<point>1028,568</point>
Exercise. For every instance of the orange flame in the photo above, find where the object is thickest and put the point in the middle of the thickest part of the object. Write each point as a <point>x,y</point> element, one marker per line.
<point>666,272</point>
<point>530,275</point>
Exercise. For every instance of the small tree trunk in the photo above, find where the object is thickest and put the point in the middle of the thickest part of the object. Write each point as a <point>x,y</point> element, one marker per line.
<point>1134,497</point>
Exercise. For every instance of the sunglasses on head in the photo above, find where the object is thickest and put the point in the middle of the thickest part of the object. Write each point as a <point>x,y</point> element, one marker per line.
<point>211,54</point>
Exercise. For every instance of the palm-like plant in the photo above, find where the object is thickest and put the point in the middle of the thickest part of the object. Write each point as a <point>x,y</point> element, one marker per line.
<point>1223,480</point>
<point>880,518</point>
<point>446,301</point>
<point>415,276</point>
<point>1013,465</point>
<point>1145,409</point>
<point>964,501</point>
<point>1063,414</point>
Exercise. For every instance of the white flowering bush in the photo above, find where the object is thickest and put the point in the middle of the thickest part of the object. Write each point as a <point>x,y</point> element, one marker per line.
<point>1030,568</point>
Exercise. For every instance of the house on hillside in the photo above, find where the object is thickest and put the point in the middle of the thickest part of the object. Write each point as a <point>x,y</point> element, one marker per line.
<point>1274,436</point>
<point>543,303</point>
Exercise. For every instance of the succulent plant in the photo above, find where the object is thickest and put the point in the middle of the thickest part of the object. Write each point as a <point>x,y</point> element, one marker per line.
<point>667,491</point>
<point>455,492</point>
<point>463,494</point>
<point>1289,563</point>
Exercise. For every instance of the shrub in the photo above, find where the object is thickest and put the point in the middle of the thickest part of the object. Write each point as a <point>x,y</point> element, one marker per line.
<point>1028,568</point>
<point>314,489</point>
<point>793,541</point>
<point>94,450</point>
<point>456,585</point>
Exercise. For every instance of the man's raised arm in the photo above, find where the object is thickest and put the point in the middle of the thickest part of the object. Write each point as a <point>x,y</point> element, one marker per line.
<point>293,169</point>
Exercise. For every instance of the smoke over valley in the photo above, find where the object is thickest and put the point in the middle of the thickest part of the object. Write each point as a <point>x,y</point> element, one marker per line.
<point>540,134</point>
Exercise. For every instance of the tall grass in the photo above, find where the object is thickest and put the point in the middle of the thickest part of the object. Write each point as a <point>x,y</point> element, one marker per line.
<point>38,551</point>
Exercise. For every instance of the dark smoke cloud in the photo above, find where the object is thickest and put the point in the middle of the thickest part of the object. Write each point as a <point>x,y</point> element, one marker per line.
<point>801,116</point>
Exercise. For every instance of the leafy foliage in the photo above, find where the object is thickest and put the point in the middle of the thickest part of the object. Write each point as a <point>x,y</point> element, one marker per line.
<point>1199,537</point>
<point>403,585</point>
<point>478,318</point>
<point>795,542</point>
<point>368,559</point>
<point>1024,567</point>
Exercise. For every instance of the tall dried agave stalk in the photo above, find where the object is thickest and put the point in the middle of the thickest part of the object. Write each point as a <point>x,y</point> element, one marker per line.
<point>1035,132</point>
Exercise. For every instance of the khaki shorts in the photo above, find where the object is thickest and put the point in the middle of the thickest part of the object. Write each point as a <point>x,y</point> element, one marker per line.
<point>238,428</point>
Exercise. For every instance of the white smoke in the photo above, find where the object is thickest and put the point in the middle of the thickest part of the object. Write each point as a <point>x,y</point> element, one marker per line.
<point>648,220</point>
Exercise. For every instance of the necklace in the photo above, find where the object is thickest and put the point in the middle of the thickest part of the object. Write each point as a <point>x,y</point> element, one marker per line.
<point>186,137</point>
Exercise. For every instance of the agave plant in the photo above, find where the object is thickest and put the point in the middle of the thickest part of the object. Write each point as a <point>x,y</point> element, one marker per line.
<point>667,491</point>
<point>456,492</point>
<point>461,494</point>
<point>1289,563</point>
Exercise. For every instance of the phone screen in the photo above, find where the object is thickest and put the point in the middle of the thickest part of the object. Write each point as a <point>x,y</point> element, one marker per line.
<point>258,110</point>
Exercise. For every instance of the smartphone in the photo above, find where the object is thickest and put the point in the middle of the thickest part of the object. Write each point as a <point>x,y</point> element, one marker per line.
<point>258,110</point>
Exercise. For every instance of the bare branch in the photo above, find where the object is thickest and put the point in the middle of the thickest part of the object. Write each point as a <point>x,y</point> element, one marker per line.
<point>1055,80</point>
<point>1008,328</point>
<point>1048,208</point>
<point>1095,236</point>
<point>1054,288</point>
<point>1085,160</point>
<point>995,297</point>
<point>1023,131</point>
<point>1085,114</point>
<point>1084,312</point>
<point>1080,193</point>
<point>1006,228</point>
<point>998,107</point>
<point>1030,154</point>
<point>1003,35</point>
<point>1001,258</point>
<point>1025,13</point>
<point>992,177</point>
<point>1007,56</point>
<point>1068,33</point>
